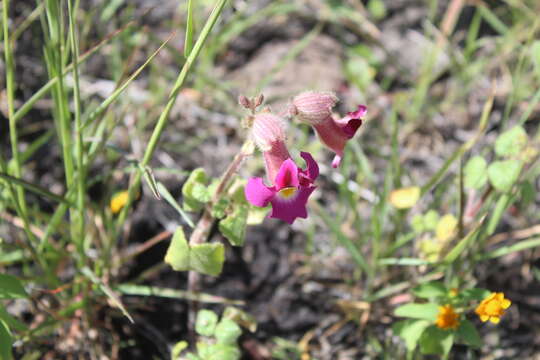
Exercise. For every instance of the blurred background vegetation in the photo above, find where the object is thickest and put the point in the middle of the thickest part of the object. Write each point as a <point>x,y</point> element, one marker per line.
<point>444,82</point>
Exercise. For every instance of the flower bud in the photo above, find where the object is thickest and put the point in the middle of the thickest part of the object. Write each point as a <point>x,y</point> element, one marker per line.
<point>244,102</point>
<point>313,107</point>
<point>267,129</point>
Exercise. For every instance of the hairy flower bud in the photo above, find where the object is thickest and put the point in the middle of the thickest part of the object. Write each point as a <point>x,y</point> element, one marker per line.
<point>266,130</point>
<point>313,107</point>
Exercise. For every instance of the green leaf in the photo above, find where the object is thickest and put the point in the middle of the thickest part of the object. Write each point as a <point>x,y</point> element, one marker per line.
<point>178,348</point>
<point>426,311</point>
<point>11,287</point>
<point>410,331</point>
<point>220,352</point>
<point>195,191</point>
<point>206,322</point>
<point>10,321</point>
<point>431,219</point>
<point>535,54</point>
<point>468,334</point>
<point>475,294</point>
<point>170,199</point>
<point>504,174</point>
<point>227,331</point>
<point>188,41</point>
<point>417,224</point>
<point>475,173</point>
<point>377,9</point>
<point>178,252</point>
<point>5,342</point>
<point>207,258</point>
<point>430,290</point>
<point>233,227</point>
<point>219,208</point>
<point>257,215</point>
<point>436,341</point>
<point>511,142</point>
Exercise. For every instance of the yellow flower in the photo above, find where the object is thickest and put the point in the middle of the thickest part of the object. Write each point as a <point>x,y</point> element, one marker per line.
<point>454,292</point>
<point>493,307</point>
<point>447,318</point>
<point>118,201</point>
<point>405,198</point>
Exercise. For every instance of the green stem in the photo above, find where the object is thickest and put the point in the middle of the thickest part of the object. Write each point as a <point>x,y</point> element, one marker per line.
<point>78,132</point>
<point>10,70</point>
<point>162,121</point>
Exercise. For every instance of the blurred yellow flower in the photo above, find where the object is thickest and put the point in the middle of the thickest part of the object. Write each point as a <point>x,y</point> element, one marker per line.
<point>447,318</point>
<point>493,307</point>
<point>454,292</point>
<point>446,227</point>
<point>118,201</point>
<point>405,198</point>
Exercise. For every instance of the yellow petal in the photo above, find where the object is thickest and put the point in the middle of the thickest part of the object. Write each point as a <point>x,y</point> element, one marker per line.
<point>405,198</point>
<point>494,319</point>
<point>484,318</point>
<point>506,304</point>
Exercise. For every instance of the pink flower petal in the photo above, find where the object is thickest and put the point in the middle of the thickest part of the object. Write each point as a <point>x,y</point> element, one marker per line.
<point>336,161</point>
<point>257,193</point>
<point>290,209</point>
<point>312,169</point>
<point>287,175</point>
<point>352,121</point>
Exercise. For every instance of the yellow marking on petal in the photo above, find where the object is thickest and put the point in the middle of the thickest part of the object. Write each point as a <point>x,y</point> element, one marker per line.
<point>494,319</point>
<point>506,304</point>
<point>484,318</point>
<point>287,192</point>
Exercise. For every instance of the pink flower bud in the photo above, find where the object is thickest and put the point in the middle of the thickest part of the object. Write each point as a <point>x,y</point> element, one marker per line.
<point>313,107</point>
<point>266,130</point>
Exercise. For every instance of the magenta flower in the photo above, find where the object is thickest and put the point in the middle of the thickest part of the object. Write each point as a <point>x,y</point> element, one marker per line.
<point>291,190</point>
<point>316,110</point>
<point>335,133</point>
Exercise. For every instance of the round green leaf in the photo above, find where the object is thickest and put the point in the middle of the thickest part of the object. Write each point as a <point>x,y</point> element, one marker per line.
<point>511,142</point>
<point>504,174</point>
<point>206,322</point>
<point>227,331</point>
<point>195,191</point>
<point>475,173</point>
